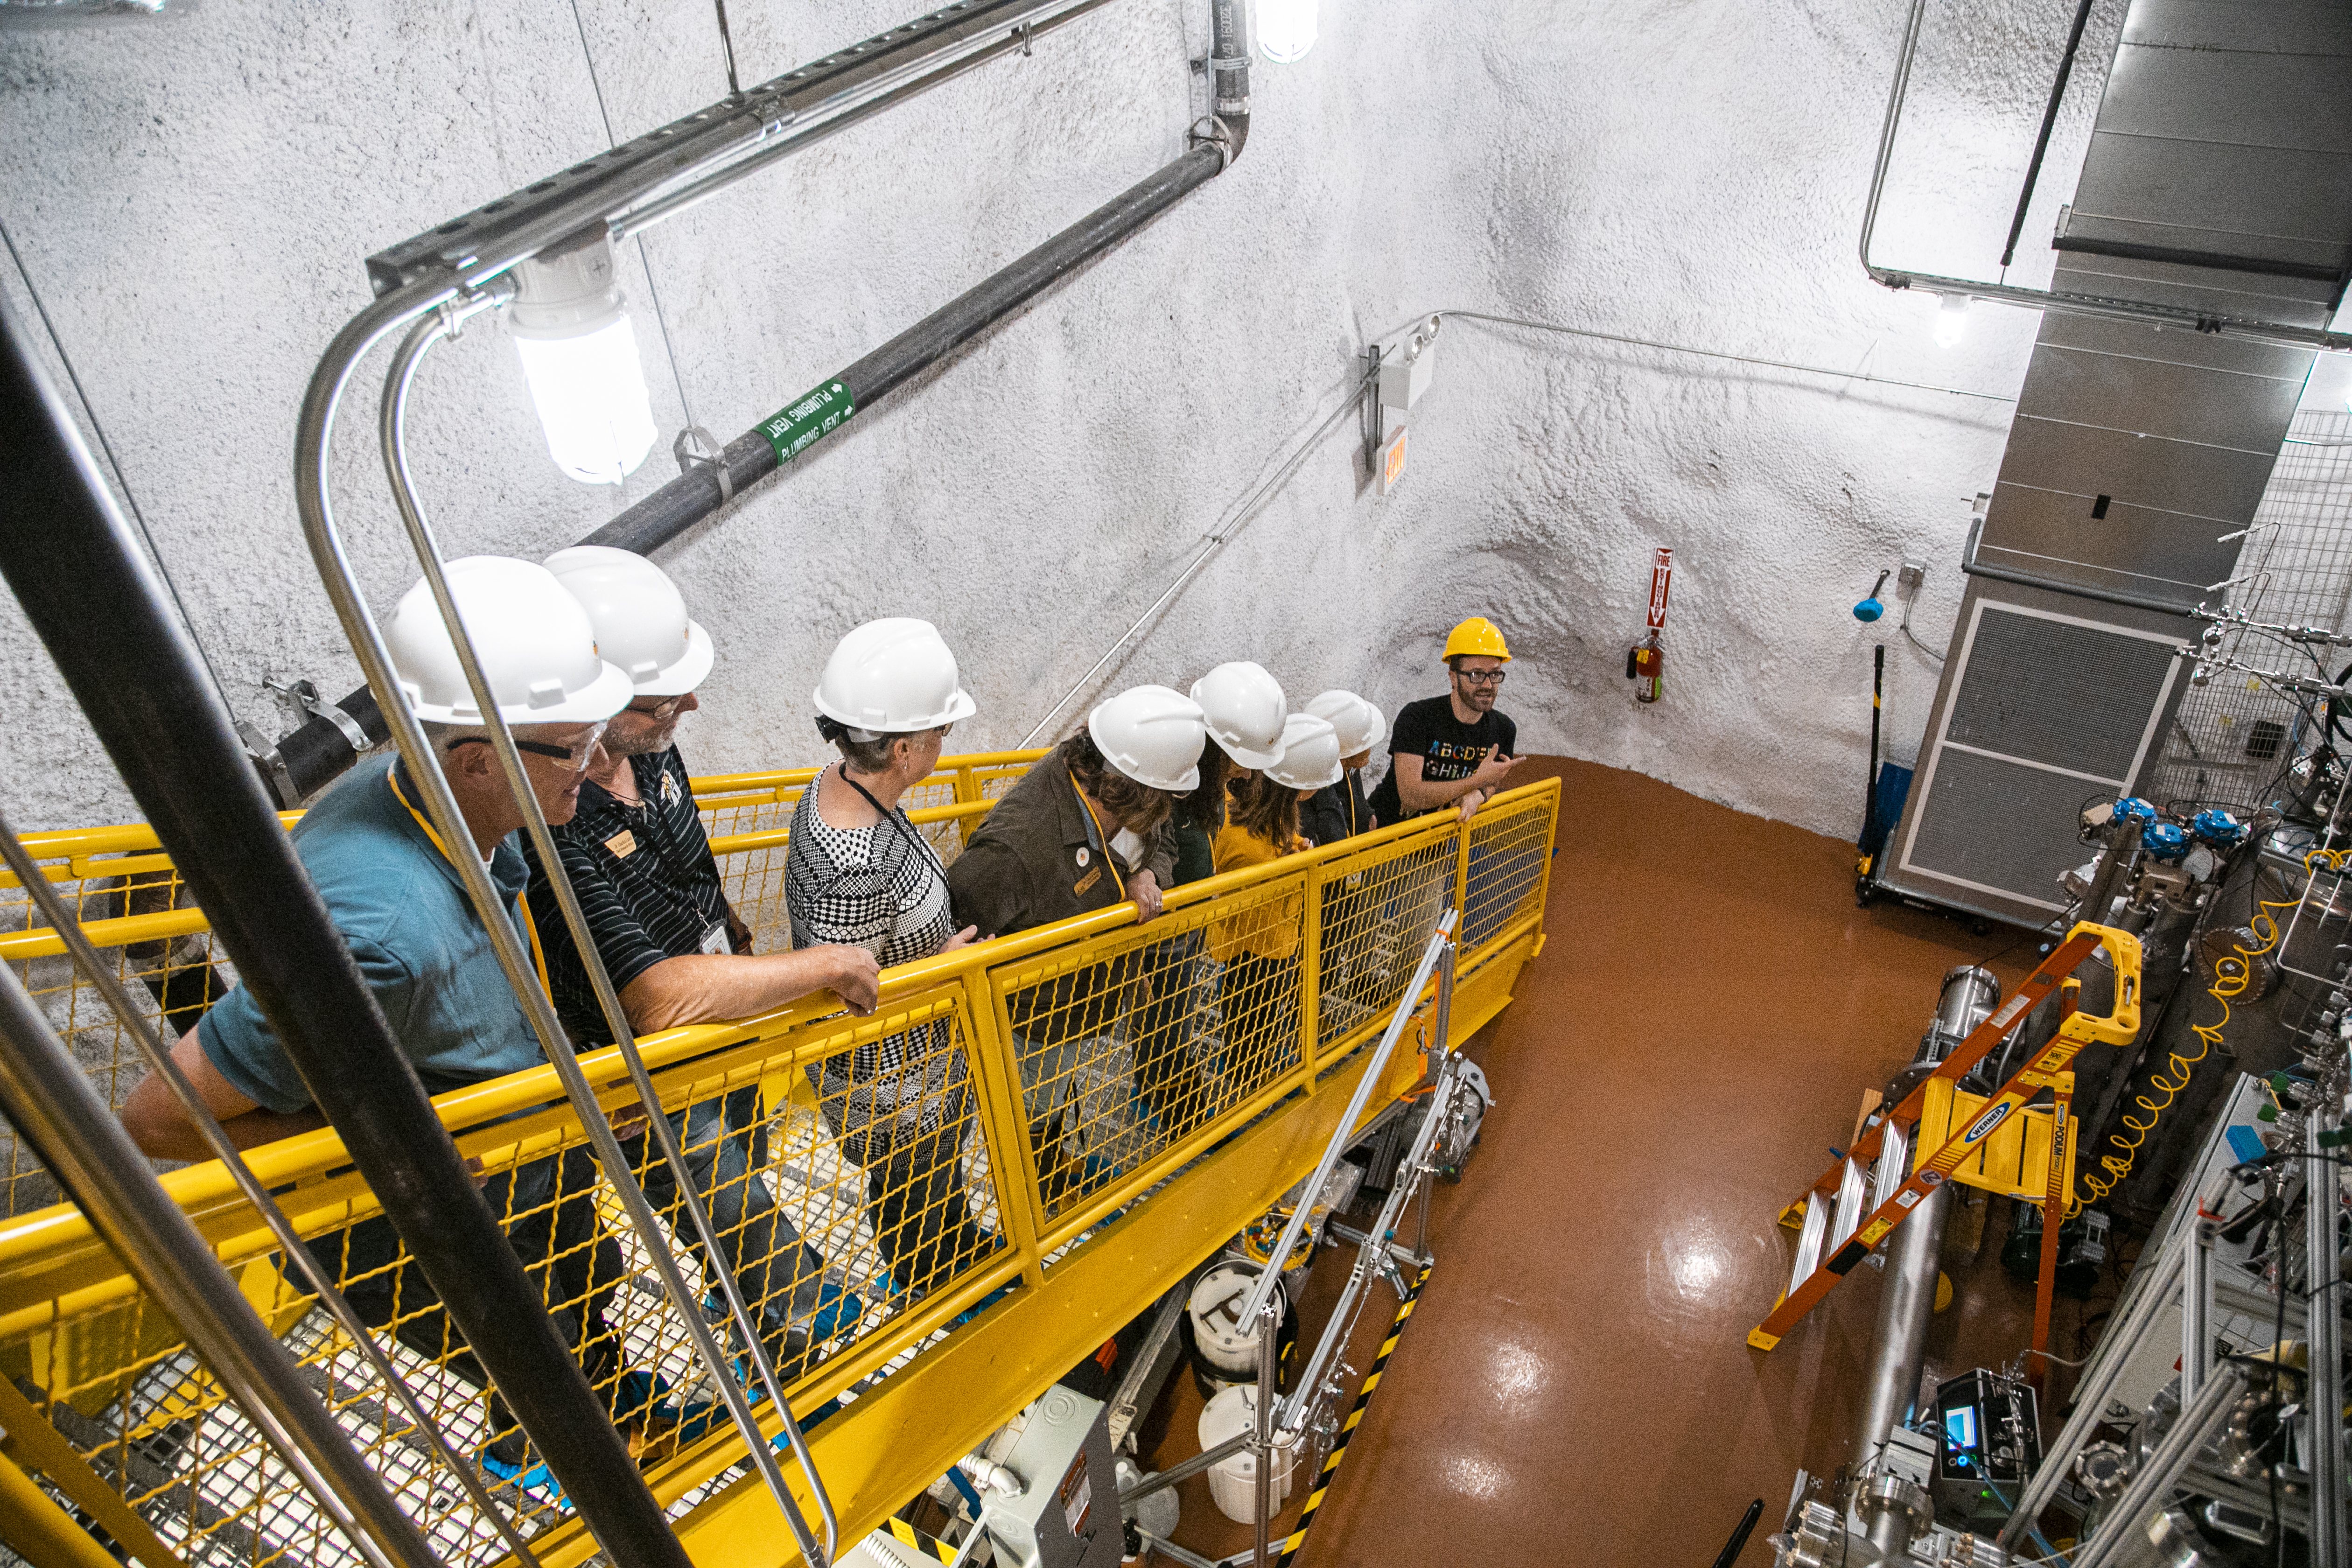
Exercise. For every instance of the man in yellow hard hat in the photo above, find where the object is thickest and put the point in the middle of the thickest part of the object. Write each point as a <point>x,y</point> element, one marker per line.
<point>1452,750</point>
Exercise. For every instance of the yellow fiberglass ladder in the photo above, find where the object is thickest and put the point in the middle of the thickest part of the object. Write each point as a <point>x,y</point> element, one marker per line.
<point>1922,1142</point>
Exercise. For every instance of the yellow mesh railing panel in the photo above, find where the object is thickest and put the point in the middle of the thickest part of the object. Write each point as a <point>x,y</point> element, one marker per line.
<point>872,1180</point>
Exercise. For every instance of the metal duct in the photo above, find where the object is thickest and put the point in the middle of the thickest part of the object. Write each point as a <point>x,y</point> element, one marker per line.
<point>2219,180</point>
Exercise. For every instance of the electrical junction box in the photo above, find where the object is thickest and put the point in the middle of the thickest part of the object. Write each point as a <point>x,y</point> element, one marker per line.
<point>1405,369</point>
<point>1393,461</point>
<point>1068,1513</point>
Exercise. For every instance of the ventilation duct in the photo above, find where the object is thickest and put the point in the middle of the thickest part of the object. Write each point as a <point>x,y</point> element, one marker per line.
<point>2219,182</point>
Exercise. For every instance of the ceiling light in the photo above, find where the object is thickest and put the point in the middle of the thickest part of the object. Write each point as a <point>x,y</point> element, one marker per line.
<point>1951,319</point>
<point>1286,29</point>
<point>580,356</point>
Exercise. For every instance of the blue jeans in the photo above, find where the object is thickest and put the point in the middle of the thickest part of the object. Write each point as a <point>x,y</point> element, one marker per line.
<point>779,1274</point>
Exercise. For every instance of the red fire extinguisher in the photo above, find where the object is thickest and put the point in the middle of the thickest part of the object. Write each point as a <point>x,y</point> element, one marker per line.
<point>1646,662</point>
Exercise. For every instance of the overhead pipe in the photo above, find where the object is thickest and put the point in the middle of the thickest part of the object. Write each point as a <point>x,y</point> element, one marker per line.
<point>69,555</point>
<point>313,755</point>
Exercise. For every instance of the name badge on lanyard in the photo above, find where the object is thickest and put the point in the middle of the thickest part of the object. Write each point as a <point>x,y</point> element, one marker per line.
<point>716,940</point>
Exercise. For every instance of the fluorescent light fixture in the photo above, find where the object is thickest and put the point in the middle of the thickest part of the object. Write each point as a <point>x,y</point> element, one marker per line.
<point>580,355</point>
<point>1286,29</point>
<point>1951,319</point>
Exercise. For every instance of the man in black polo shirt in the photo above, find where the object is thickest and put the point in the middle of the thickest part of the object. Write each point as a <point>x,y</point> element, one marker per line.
<point>677,953</point>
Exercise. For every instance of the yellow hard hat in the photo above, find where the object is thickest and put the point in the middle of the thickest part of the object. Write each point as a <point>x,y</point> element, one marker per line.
<point>1478,637</point>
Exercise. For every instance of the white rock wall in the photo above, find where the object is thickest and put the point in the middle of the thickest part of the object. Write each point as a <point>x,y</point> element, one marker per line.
<point>192,200</point>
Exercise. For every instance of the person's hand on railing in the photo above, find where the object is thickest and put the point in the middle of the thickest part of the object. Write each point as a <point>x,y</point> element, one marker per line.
<point>1144,888</point>
<point>961,939</point>
<point>856,977</point>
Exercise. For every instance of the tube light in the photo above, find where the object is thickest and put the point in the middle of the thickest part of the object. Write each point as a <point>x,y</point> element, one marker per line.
<point>1951,319</point>
<point>1286,29</point>
<point>580,357</point>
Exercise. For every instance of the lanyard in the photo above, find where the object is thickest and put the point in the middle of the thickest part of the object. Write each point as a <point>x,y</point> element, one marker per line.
<point>898,824</point>
<point>522,901</point>
<point>1108,855</point>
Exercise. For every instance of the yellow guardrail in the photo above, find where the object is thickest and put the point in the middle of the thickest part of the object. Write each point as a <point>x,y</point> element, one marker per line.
<point>1079,1113</point>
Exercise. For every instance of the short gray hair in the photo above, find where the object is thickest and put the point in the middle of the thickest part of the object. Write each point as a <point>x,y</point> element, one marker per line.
<point>868,756</point>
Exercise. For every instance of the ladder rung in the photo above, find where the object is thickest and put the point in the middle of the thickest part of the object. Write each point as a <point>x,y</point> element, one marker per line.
<point>1850,1210</point>
<point>1894,1164</point>
<point>1809,1241</point>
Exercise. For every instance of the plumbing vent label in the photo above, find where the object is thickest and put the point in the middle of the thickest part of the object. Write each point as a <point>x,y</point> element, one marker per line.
<point>808,421</point>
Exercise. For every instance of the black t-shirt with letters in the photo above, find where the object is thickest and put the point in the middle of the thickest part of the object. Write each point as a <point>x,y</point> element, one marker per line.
<point>1448,749</point>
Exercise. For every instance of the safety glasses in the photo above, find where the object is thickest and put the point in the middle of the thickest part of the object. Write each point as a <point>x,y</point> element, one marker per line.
<point>659,710</point>
<point>1481,677</point>
<point>577,754</point>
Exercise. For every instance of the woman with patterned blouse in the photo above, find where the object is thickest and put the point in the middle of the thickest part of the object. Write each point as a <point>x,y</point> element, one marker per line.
<point>859,873</point>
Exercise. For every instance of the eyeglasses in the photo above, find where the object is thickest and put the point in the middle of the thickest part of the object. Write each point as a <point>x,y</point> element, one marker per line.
<point>1481,677</point>
<point>662,710</point>
<point>577,755</point>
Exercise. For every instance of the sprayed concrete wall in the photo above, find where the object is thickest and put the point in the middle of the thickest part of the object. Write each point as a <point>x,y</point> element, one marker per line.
<point>191,200</point>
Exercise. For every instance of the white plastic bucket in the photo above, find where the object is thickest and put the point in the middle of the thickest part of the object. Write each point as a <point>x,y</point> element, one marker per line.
<point>1233,1480</point>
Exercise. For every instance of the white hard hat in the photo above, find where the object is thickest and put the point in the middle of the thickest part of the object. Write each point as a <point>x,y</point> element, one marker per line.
<point>639,615</point>
<point>536,646</point>
<point>1310,754</point>
<point>892,676</point>
<point>1358,723</point>
<point>1243,709</point>
<point>1151,734</point>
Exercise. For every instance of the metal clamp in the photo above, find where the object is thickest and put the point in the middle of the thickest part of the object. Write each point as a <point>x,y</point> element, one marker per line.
<point>698,448</point>
<point>271,762</point>
<point>307,694</point>
<point>1218,136</point>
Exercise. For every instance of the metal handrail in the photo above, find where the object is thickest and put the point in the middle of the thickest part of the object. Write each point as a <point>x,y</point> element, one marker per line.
<point>159,1060</point>
<point>1441,946</point>
<point>425,766</point>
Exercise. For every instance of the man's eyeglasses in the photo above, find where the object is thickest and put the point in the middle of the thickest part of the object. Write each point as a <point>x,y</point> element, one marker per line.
<point>577,755</point>
<point>1481,677</point>
<point>661,710</point>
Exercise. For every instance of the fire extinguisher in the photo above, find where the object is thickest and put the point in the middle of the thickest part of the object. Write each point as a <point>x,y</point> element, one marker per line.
<point>1645,662</point>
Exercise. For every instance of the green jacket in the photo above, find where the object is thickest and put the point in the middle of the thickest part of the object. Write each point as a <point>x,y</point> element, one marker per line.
<point>1038,857</point>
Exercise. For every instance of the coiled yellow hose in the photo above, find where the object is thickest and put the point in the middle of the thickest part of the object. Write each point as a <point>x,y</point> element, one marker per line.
<point>2231,973</point>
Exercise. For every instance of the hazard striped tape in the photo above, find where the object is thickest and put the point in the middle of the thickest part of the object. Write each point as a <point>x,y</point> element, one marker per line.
<point>1298,1538</point>
<point>906,1535</point>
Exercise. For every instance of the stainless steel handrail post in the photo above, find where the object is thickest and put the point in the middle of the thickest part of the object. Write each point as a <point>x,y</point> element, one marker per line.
<point>44,1092</point>
<point>158,1055</point>
<point>1441,1051</point>
<point>1262,1289</point>
<point>426,768</point>
<point>2091,1393</point>
<point>2199,1420</point>
<point>1262,1419</point>
<point>629,1524</point>
<point>2323,1312</point>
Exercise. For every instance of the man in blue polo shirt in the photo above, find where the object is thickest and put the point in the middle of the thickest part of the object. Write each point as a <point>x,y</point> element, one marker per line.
<point>674,950</point>
<point>394,894</point>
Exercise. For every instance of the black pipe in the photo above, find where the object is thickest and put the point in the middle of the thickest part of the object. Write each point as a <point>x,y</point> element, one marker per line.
<point>2049,119</point>
<point>67,552</point>
<point>1738,1541</point>
<point>754,455</point>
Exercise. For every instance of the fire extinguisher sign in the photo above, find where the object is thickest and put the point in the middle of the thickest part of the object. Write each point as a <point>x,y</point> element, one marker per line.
<point>1661,575</point>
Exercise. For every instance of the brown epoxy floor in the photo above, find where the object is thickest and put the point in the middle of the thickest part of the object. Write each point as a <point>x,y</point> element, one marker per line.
<point>1576,1385</point>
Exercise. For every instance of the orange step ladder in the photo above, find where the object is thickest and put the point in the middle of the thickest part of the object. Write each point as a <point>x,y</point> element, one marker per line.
<point>1852,1206</point>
